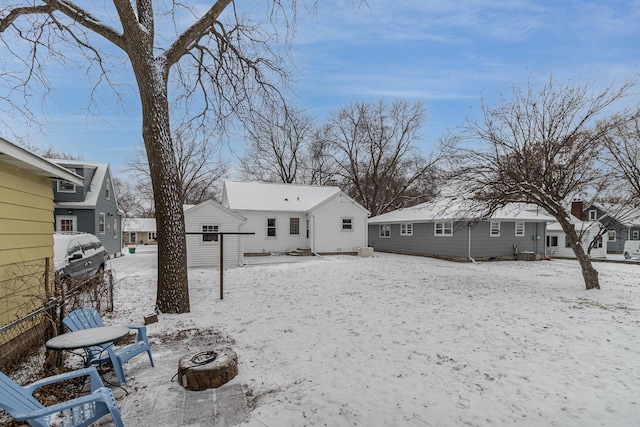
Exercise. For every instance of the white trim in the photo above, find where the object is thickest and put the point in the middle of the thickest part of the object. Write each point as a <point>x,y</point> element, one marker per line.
<point>290,224</point>
<point>102,223</point>
<point>446,229</point>
<point>214,229</point>
<point>60,218</point>
<point>61,190</point>
<point>274,226</point>
<point>520,233</point>
<point>24,159</point>
<point>107,189</point>
<point>406,229</point>
<point>342,223</point>
<point>493,232</point>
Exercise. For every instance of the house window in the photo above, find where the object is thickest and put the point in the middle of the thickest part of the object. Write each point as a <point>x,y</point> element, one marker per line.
<point>107,190</point>
<point>115,228</point>
<point>66,225</point>
<point>347,224</point>
<point>209,229</point>
<point>385,230</point>
<point>152,237</point>
<point>102,223</point>
<point>132,237</point>
<point>271,227</point>
<point>599,243</point>
<point>443,228</point>
<point>406,229</point>
<point>519,229</point>
<point>66,187</point>
<point>294,226</point>
<point>552,241</point>
<point>636,235</point>
<point>611,236</point>
<point>495,229</point>
<point>593,215</point>
<point>567,244</point>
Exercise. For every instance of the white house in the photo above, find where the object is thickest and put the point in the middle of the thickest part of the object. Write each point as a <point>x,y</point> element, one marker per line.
<point>203,250</point>
<point>558,246</point>
<point>287,217</point>
<point>139,231</point>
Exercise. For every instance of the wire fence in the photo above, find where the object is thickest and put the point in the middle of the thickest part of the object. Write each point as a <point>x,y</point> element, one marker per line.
<point>41,316</point>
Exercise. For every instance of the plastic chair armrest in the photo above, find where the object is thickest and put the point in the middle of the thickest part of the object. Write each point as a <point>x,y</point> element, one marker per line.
<point>92,372</point>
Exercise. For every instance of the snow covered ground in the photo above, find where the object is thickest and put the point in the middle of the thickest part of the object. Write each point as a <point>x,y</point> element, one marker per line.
<point>397,340</point>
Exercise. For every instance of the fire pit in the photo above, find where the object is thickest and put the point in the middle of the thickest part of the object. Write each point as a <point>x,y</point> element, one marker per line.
<point>207,369</point>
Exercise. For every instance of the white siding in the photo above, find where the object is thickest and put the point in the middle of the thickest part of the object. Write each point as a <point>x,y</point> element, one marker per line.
<point>328,235</point>
<point>207,254</point>
<point>561,251</point>
<point>283,241</point>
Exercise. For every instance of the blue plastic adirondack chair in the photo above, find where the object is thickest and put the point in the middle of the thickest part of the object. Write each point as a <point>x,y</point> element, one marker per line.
<point>82,411</point>
<point>86,318</point>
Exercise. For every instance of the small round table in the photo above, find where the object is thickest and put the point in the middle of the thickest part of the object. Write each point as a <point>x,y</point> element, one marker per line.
<point>87,337</point>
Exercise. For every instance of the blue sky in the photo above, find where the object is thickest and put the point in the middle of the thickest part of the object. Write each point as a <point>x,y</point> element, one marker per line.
<point>448,54</point>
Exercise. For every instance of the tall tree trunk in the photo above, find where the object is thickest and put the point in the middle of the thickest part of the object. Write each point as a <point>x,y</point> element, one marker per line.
<point>173,286</point>
<point>589,273</point>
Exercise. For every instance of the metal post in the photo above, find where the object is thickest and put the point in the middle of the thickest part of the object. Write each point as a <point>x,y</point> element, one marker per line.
<point>221,265</point>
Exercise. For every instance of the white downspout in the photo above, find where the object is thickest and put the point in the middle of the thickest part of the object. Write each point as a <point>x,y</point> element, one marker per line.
<point>313,236</point>
<point>469,245</point>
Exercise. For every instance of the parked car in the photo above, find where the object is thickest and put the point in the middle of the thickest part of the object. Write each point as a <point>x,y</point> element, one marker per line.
<point>77,256</point>
<point>631,249</point>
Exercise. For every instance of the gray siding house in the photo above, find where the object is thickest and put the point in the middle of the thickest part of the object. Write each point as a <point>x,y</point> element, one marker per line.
<point>447,228</point>
<point>621,222</point>
<point>91,207</point>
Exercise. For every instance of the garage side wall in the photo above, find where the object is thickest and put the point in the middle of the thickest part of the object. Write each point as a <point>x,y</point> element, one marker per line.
<point>207,254</point>
<point>329,234</point>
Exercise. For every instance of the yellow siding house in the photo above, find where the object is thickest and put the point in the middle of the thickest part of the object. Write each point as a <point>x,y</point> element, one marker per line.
<point>26,241</point>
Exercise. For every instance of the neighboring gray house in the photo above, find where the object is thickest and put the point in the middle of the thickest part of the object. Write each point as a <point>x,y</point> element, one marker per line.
<point>621,222</point>
<point>91,207</point>
<point>448,228</point>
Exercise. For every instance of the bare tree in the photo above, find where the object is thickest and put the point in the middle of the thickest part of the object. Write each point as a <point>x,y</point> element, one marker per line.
<point>320,164</point>
<point>542,147</point>
<point>278,144</point>
<point>199,173</point>
<point>623,155</point>
<point>49,152</point>
<point>217,63</point>
<point>129,199</point>
<point>378,162</point>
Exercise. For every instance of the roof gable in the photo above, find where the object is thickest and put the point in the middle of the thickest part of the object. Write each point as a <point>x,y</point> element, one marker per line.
<point>100,173</point>
<point>191,209</point>
<point>625,215</point>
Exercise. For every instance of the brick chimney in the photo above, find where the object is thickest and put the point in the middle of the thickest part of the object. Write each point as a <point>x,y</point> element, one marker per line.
<point>577,208</point>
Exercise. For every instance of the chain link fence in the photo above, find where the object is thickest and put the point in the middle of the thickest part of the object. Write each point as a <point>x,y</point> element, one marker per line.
<point>43,314</point>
